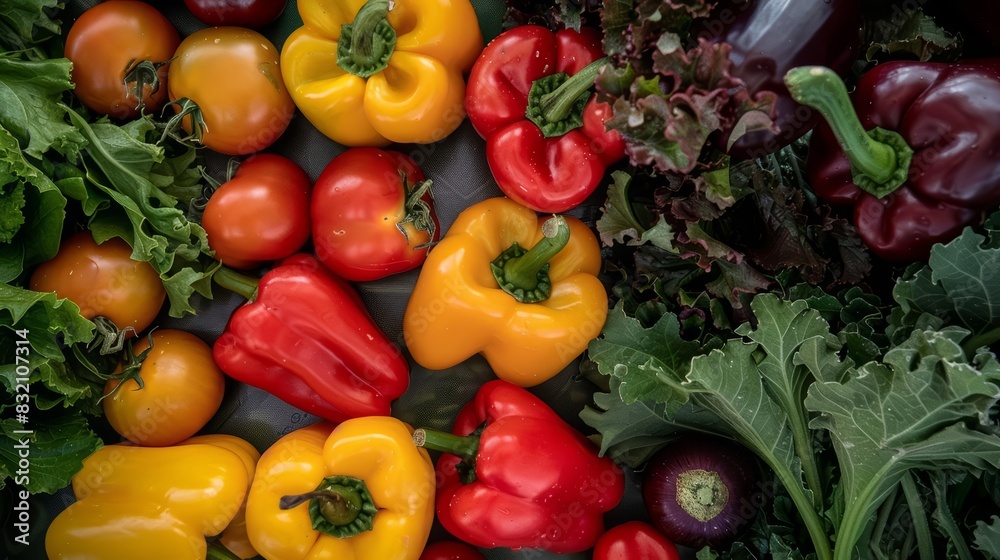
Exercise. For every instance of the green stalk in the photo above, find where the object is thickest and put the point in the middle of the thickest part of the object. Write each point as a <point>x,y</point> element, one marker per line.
<point>233,281</point>
<point>556,102</point>
<point>341,506</point>
<point>366,44</point>
<point>810,517</point>
<point>920,525</point>
<point>856,516</point>
<point>880,159</point>
<point>465,447</point>
<point>525,274</point>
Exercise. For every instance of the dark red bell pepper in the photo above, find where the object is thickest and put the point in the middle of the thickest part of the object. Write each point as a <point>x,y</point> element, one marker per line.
<point>530,95</point>
<point>306,338</point>
<point>633,540</point>
<point>917,153</point>
<point>515,475</point>
<point>769,38</point>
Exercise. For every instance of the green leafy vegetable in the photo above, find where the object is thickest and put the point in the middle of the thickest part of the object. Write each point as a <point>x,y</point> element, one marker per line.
<point>34,328</point>
<point>848,422</point>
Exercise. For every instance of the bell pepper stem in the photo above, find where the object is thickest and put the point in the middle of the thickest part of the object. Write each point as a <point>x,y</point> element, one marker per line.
<point>366,43</point>
<point>233,281</point>
<point>525,274</point>
<point>216,551</point>
<point>341,506</point>
<point>465,447</point>
<point>555,102</point>
<point>556,105</point>
<point>880,159</point>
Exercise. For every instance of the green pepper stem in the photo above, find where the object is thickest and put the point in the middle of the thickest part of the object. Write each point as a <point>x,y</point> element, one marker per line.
<point>216,551</point>
<point>341,506</point>
<point>233,281</point>
<point>525,274</point>
<point>880,159</point>
<point>366,43</point>
<point>556,105</point>
<point>465,447</point>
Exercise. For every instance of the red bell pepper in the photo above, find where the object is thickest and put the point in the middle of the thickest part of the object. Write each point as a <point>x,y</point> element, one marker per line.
<point>530,96</point>
<point>919,151</point>
<point>450,550</point>
<point>306,338</point>
<point>515,475</point>
<point>633,540</point>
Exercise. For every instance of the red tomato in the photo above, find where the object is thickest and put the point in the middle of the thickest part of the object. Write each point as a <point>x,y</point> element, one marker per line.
<point>242,13</point>
<point>103,280</point>
<point>105,40</point>
<point>261,214</point>
<point>634,540</point>
<point>182,389</point>
<point>367,221</point>
<point>450,550</point>
<point>233,75</point>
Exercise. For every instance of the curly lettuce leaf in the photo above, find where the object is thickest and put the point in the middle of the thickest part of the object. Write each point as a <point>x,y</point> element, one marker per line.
<point>60,437</point>
<point>913,33</point>
<point>39,229</point>
<point>121,165</point>
<point>30,92</point>
<point>27,25</point>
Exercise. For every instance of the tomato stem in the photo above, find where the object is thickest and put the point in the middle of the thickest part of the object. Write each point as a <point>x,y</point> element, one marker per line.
<point>417,210</point>
<point>138,75</point>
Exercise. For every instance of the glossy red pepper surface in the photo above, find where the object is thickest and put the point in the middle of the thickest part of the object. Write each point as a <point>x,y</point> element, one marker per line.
<point>307,339</point>
<point>551,174</point>
<point>948,114</point>
<point>450,550</point>
<point>536,482</point>
<point>634,540</point>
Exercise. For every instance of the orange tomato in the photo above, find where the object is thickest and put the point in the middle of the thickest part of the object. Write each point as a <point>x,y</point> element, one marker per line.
<point>233,75</point>
<point>105,40</point>
<point>182,389</point>
<point>103,280</point>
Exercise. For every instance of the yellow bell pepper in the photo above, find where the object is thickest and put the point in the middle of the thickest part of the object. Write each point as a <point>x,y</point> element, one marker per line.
<point>529,313</point>
<point>153,502</point>
<point>360,491</point>
<point>393,74</point>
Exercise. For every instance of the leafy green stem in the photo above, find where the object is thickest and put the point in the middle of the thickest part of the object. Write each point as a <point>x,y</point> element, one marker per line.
<point>857,513</point>
<point>980,340</point>
<point>921,527</point>
<point>750,438</point>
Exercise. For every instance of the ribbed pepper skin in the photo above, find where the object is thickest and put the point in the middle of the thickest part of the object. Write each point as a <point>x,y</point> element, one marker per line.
<point>308,340</point>
<point>539,482</point>
<point>547,174</point>
<point>418,98</point>
<point>153,502</point>
<point>948,114</point>
<point>377,450</point>
<point>457,309</point>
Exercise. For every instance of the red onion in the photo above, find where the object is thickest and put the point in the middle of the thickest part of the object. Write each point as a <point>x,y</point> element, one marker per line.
<point>702,490</point>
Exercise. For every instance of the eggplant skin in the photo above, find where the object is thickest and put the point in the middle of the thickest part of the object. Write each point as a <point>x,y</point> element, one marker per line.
<point>769,38</point>
<point>703,490</point>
